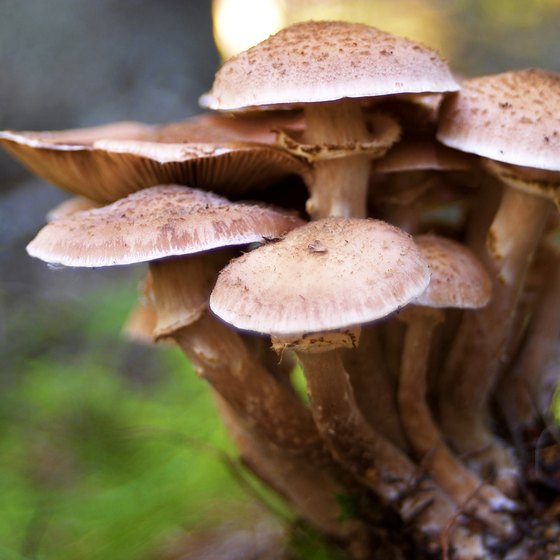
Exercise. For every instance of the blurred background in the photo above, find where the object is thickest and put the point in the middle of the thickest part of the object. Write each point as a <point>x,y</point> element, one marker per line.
<point>109,449</point>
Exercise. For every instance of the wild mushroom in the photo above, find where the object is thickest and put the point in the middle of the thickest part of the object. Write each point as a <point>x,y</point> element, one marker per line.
<point>174,228</point>
<point>510,118</point>
<point>108,162</point>
<point>329,68</point>
<point>361,270</point>
<point>457,280</point>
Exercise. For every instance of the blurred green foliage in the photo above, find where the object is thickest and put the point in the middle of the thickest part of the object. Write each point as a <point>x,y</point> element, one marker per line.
<point>95,465</point>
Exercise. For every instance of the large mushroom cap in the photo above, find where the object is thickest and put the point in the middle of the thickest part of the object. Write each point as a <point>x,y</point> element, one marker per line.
<point>325,61</point>
<point>458,278</point>
<point>329,274</point>
<point>513,117</point>
<point>154,223</point>
<point>108,162</point>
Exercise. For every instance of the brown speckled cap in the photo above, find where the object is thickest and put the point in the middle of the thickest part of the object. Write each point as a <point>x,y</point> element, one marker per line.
<point>513,117</point>
<point>318,61</point>
<point>108,162</point>
<point>458,277</point>
<point>329,274</point>
<point>154,223</point>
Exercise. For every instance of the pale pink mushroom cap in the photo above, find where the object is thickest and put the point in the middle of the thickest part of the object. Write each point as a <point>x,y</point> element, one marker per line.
<point>318,61</point>
<point>458,277</point>
<point>158,222</point>
<point>513,117</point>
<point>329,274</point>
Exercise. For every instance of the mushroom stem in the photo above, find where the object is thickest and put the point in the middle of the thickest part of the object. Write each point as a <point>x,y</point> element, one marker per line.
<point>181,287</point>
<point>525,392</point>
<point>220,357</point>
<point>339,186</point>
<point>372,383</point>
<point>373,460</point>
<point>477,355</point>
<point>312,491</point>
<point>461,485</point>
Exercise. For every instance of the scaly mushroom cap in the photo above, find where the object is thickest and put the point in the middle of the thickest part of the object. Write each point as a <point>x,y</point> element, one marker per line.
<point>458,278</point>
<point>109,162</point>
<point>154,223</point>
<point>513,117</point>
<point>324,61</point>
<point>329,274</point>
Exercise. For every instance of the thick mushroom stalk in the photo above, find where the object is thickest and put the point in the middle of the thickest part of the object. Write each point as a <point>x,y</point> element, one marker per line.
<point>339,185</point>
<point>312,491</point>
<point>372,382</point>
<point>465,488</point>
<point>477,358</point>
<point>525,392</point>
<point>219,355</point>
<point>358,446</point>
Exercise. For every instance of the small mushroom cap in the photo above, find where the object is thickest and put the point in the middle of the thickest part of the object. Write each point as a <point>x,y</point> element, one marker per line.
<point>513,117</point>
<point>329,274</point>
<point>318,61</point>
<point>154,223</point>
<point>423,154</point>
<point>458,277</point>
<point>109,162</point>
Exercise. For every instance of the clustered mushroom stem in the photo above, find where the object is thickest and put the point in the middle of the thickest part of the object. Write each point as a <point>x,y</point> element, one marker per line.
<point>476,358</point>
<point>372,383</point>
<point>220,357</point>
<point>338,186</point>
<point>460,484</point>
<point>311,490</point>
<point>375,461</point>
<point>524,393</point>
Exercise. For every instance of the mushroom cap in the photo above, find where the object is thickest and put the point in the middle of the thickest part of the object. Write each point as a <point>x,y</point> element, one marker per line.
<point>154,223</point>
<point>458,277</point>
<point>329,274</point>
<point>318,61</point>
<point>423,154</point>
<point>108,162</point>
<point>513,117</point>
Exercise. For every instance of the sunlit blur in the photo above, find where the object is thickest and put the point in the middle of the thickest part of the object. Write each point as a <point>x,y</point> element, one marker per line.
<point>476,36</point>
<point>240,24</point>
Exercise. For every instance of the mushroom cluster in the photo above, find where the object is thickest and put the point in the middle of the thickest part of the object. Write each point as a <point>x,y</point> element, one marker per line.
<point>418,286</point>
